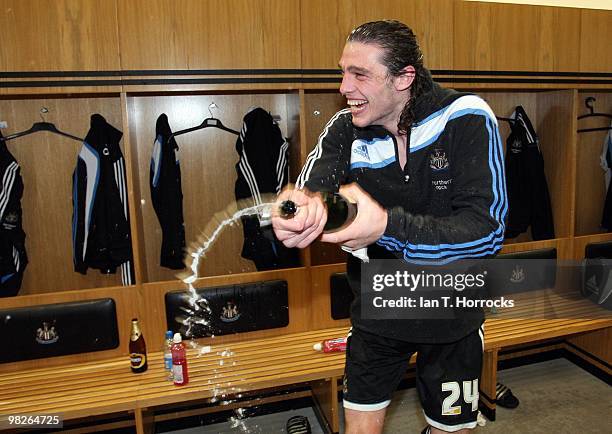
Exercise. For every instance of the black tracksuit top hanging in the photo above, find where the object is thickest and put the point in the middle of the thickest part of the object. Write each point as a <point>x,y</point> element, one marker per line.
<point>101,227</point>
<point>13,258</point>
<point>167,195</point>
<point>262,168</point>
<point>528,196</point>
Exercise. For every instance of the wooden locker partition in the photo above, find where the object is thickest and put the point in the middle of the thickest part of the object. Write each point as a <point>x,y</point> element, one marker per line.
<point>208,158</point>
<point>47,163</point>
<point>590,179</point>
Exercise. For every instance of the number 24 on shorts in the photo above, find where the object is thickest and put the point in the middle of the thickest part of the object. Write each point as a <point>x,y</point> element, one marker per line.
<point>470,396</point>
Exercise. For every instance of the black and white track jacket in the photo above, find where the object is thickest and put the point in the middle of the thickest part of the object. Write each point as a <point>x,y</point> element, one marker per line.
<point>448,203</point>
<point>13,258</point>
<point>262,167</point>
<point>528,195</point>
<point>100,220</point>
<point>167,195</point>
<point>262,171</point>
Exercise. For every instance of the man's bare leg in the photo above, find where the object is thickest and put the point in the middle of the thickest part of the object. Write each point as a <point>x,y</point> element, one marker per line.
<point>364,422</point>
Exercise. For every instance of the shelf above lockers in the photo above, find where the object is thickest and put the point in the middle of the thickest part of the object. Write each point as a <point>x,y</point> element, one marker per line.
<point>590,177</point>
<point>47,163</point>
<point>207,158</point>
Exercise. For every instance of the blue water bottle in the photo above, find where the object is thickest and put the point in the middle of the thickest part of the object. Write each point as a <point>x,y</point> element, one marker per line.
<point>168,354</point>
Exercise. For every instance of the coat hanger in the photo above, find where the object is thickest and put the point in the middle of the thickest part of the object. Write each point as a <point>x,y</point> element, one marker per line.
<point>588,102</point>
<point>509,120</point>
<point>206,123</point>
<point>41,126</point>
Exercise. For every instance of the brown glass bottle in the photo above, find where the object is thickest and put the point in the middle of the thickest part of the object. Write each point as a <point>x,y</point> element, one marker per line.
<point>138,349</point>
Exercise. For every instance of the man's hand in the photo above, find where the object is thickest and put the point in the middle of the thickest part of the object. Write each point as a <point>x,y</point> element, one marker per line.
<point>307,223</point>
<point>369,224</point>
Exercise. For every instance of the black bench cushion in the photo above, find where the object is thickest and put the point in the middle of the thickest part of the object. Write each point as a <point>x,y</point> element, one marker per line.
<point>596,276</point>
<point>58,329</point>
<point>232,309</point>
<point>526,271</point>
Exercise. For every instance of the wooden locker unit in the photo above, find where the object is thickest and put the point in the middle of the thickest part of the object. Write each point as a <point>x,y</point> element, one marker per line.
<point>551,113</point>
<point>590,180</point>
<point>204,155</point>
<point>47,163</point>
<point>142,58</point>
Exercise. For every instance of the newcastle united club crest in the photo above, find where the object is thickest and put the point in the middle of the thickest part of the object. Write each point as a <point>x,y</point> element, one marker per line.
<point>230,312</point>
<point>438,160</point>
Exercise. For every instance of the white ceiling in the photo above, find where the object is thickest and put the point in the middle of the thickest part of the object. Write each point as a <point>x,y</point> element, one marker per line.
<point>588,4</point>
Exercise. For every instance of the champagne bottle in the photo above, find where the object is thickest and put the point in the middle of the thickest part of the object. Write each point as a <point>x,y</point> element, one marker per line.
<point>340,211</point>
<point>138,349</point>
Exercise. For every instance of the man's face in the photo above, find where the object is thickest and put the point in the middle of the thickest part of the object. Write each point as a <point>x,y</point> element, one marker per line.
<point>371,94</point>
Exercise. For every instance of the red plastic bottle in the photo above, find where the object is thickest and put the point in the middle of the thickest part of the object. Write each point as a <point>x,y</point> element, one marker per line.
<point>179,361</point>
<point>331,345</point>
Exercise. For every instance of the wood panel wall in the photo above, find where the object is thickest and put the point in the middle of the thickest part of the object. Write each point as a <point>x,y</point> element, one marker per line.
<point>508,37</point>
<point>62,35</point>
<point>211,34</point>
<point>86,35</point>
<point>327,23</point>
<point>595,37</point>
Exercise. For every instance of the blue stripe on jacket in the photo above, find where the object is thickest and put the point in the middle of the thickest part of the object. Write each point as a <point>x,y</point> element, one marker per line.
<point>445,253</point>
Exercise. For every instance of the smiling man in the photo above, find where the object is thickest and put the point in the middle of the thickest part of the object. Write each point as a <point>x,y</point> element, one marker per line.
<point>424,165</point>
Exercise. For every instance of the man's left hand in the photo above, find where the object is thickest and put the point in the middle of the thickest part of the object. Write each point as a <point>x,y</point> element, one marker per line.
<point>369,224</point>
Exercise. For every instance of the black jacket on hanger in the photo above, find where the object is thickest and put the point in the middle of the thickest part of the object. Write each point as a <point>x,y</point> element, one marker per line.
<point>262,168</point>
<point>13,257</point>
<point>101,225</point>
<point>528,195</point>
<point>167,195</point>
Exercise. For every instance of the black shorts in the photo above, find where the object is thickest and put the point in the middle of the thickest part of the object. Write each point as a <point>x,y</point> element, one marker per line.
<point>447,376</point>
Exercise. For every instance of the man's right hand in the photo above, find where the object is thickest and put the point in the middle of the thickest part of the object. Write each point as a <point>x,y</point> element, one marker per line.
<point>307,223</point>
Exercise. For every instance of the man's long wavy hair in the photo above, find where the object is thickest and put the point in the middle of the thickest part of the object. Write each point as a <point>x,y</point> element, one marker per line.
<point>401,49</point>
